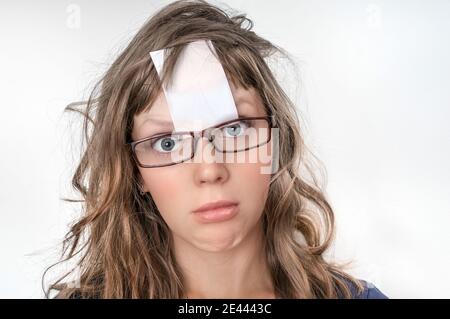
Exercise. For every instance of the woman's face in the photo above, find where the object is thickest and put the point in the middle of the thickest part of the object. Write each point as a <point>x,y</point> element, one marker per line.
<point>180,189</point>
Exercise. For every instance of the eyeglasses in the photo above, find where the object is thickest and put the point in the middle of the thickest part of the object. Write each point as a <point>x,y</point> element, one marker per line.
<point>233,136</point>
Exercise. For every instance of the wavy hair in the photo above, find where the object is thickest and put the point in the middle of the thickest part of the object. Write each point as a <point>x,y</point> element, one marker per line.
<point>121,244</point>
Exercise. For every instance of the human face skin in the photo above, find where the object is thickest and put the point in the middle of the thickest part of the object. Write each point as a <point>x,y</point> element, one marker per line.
<point>179,189</point>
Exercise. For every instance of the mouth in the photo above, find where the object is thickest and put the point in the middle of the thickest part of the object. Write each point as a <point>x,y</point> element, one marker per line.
<point>217,211</point>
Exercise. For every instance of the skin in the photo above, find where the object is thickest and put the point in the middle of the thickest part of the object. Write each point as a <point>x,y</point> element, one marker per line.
<point>222,259</point>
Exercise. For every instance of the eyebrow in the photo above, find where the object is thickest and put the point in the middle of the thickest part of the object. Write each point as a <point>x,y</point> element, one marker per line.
<point>159,122</point>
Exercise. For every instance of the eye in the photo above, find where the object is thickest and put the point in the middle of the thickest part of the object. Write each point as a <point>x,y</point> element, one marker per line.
<point>167,143</point>
<point>235,129</point>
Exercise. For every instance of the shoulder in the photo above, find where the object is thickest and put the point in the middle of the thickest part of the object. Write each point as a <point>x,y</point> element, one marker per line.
<point>369,292</point>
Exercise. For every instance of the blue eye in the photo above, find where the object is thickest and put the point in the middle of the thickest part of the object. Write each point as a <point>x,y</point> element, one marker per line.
<point>235,129</point>
<point>167,144</point>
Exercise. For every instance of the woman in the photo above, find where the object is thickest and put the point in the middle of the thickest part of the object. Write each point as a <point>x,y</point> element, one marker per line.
<point>144,233</point>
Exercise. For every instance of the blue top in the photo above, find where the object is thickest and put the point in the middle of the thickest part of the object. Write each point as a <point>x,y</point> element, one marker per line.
<point>370,291</point>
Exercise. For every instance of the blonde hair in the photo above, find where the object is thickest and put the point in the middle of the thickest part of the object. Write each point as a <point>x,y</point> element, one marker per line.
<point>123,243</point>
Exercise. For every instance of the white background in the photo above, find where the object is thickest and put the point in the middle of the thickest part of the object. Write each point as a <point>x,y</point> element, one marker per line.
<point>373,91</point>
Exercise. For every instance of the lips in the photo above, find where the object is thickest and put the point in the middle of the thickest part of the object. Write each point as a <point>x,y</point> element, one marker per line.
<point>215,205</point>
<point>216,211</point>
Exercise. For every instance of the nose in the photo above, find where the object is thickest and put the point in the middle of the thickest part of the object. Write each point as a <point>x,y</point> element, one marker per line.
<point>207,169</point>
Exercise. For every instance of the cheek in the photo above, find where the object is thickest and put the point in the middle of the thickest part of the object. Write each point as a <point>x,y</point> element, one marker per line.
<point>156,183</point>
<point>164,185</point>
<point>252,185</point>
<point>255,171</point>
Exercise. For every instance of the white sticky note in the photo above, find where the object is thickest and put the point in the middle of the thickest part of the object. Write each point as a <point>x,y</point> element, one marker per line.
<point>200,95</point>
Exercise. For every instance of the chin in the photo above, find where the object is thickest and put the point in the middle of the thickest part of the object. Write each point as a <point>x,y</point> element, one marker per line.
<point>217,242</point>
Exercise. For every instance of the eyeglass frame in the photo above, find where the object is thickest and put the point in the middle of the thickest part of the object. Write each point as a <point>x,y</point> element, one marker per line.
<point>200,134</point>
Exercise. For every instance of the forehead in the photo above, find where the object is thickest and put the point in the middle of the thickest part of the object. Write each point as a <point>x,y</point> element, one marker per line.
<point>248,103</point>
